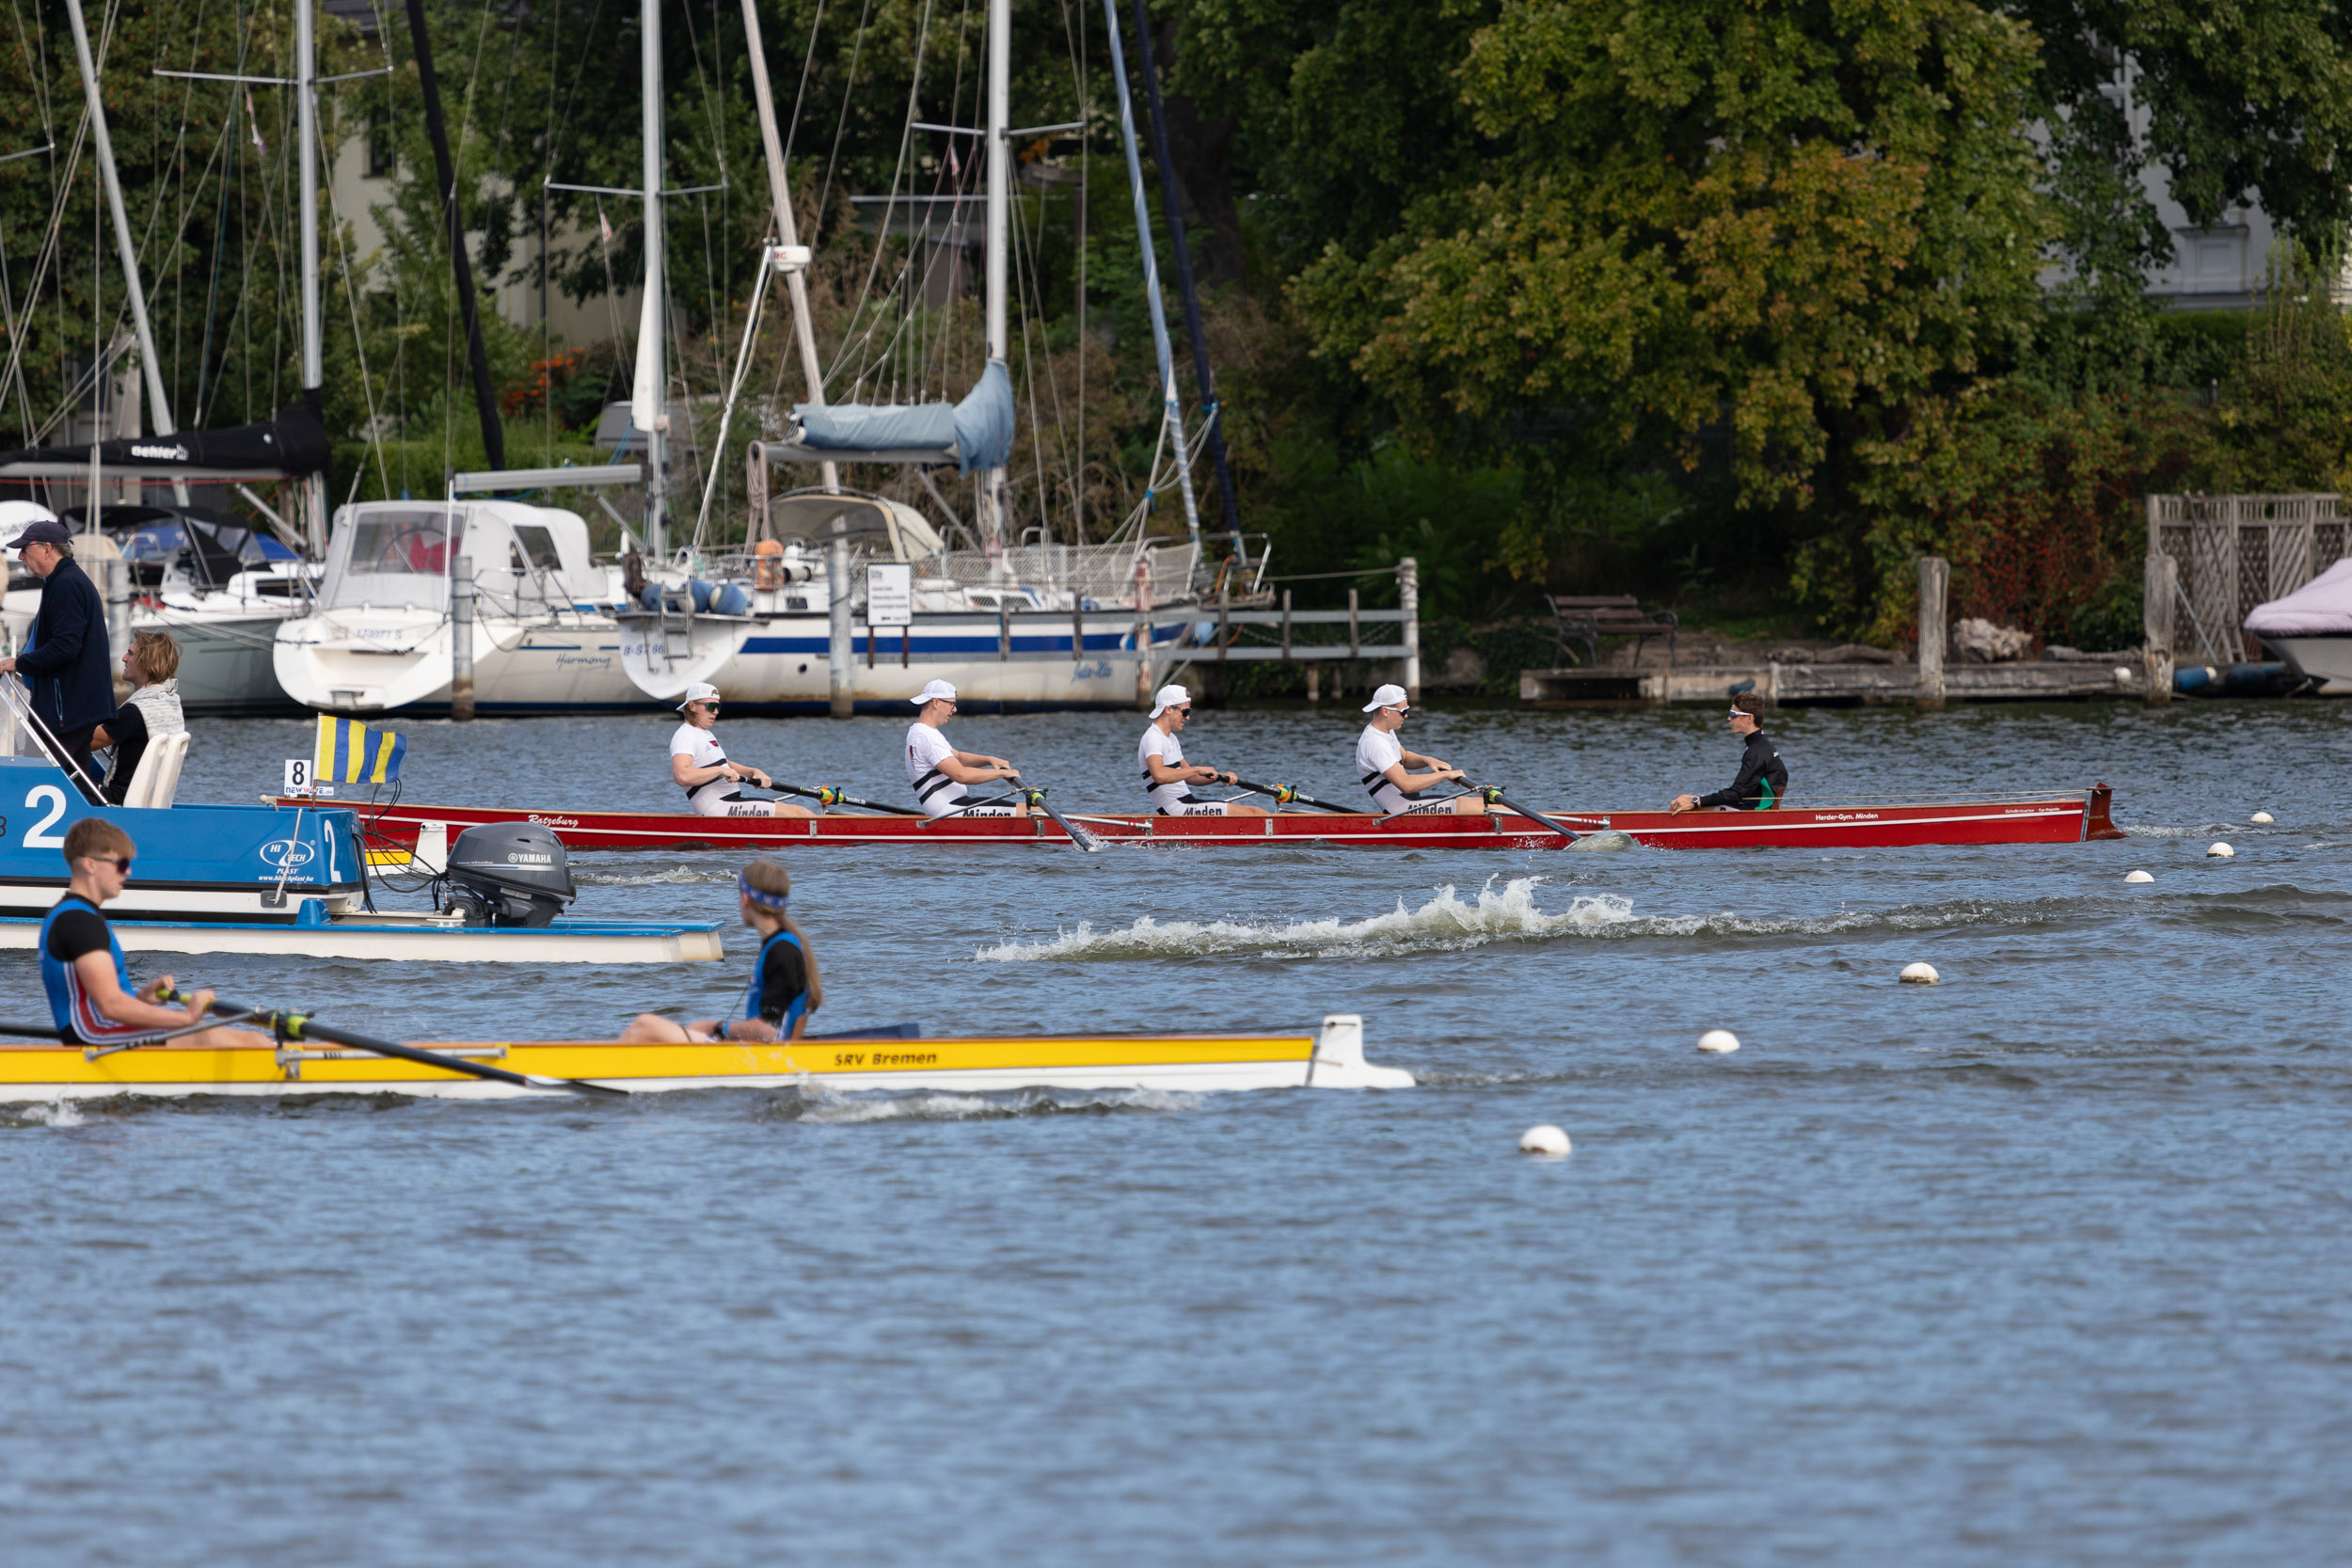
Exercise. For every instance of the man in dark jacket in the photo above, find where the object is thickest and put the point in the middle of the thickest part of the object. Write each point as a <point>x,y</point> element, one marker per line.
<point>66,654</point>
<point>1763,777</point>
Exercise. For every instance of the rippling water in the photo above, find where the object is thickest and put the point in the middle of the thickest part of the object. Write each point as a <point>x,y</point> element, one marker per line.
<point>2047,1263</point>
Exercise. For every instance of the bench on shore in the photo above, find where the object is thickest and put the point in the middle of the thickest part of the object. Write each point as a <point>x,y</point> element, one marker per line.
<point>1587,618</point>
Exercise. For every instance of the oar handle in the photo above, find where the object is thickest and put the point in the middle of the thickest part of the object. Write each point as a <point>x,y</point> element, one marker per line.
<point>1287,794</point>
<point>830,795</point>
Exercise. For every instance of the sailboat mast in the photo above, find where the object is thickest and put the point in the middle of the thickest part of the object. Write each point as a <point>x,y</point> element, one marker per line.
<point>159,401</point>
<point>788,228</point>
<point>1172,410</point>
<point>1203,378</point>
<point>310,487</point>
<point>649,402</point>
<point>453,228</point>
<point>992,507</point>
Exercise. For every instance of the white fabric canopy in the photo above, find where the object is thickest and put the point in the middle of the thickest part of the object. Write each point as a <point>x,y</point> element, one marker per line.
<point>2321,607</point>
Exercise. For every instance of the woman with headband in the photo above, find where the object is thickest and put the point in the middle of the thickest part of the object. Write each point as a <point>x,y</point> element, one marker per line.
<point>1763,779</point>
<point>785,987</point>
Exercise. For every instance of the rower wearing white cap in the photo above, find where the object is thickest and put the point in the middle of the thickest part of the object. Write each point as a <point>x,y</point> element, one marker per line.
<point>1168,778</point>
<point>938,772</point>
<point>1385,764</point>
<point>699,765</point>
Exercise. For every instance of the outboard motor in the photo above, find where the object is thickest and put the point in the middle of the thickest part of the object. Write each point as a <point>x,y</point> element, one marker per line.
<point>509,874</point>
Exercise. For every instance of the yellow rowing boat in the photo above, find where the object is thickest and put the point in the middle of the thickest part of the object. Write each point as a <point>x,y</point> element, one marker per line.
<point>1331,1058</point>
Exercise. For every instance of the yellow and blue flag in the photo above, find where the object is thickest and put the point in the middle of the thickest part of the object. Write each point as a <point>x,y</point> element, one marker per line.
<point>350,753</point>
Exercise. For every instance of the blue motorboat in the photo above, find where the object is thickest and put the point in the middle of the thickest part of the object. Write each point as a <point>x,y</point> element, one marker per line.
<point>200,863</point>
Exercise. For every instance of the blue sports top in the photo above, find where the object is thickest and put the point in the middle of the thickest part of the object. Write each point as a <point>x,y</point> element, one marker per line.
<point>71,1008</point>
<point>779,988</point>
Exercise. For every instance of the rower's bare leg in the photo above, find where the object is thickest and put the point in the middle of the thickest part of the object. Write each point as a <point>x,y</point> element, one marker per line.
<point>1475,806</point>
<point>785,808</point>
<point>652,1029</point>
<point>225,1037</point>
<point>1248,810</point>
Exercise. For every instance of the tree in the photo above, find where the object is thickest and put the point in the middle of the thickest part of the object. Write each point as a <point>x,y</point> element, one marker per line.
<point>1788,220</point>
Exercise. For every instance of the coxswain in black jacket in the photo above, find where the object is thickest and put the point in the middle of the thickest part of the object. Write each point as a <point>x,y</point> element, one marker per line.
<point>1763,777</point>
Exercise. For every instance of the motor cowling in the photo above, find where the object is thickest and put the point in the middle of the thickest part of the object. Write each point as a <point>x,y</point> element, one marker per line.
<point>509,874</point>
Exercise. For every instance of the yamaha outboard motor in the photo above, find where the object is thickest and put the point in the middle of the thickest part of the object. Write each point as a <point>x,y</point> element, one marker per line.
<point>509,874</point>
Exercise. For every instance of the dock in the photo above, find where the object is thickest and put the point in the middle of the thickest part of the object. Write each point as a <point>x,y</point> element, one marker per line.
<point>1829,684</point>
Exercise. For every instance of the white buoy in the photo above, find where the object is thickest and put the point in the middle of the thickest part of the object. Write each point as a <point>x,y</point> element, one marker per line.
<point>2265,817</point>
<point>1719,1042</point>
<point>2219,851</point>
<point>2139,876</point>
<point>1920,975</point>
<point>1546,1139</point>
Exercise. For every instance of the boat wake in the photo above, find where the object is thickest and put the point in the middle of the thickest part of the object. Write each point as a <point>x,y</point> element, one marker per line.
<point>652,878</point>
<point>1447,921</point>
<point>59,1112</point>
<point>826,1109</point>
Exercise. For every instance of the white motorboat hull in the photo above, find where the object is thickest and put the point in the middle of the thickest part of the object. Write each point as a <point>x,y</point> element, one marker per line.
<point>2327,659</point>
<point>341,665</point>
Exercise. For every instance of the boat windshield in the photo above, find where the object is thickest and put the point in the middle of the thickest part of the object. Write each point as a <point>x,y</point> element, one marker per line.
<point>395,558</point>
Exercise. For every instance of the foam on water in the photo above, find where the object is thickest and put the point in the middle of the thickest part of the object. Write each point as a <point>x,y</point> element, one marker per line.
<point>850,1110</point>
<point>651,878</point>
<point>1446,921</point>
<point>59,1112</point>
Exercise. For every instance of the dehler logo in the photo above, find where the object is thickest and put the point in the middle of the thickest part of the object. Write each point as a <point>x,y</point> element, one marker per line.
<point>170,454</point>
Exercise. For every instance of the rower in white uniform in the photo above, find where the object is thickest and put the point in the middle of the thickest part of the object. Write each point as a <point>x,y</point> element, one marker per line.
<point>1168,778</point>
<point>699,765</point>
<point>938,774</point>
<point>1385,765</point>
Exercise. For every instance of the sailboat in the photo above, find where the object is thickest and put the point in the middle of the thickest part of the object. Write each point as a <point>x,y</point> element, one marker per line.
<point>1042,624</point>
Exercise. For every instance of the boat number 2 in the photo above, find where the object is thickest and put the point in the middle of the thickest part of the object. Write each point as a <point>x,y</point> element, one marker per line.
<point>39,836</point>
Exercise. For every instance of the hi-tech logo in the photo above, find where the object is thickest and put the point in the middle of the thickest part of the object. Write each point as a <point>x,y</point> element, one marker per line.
<point>171,454</point>
<point>283,853</point>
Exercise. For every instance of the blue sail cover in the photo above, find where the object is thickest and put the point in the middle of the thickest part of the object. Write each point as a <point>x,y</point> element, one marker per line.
<point>977,432</point>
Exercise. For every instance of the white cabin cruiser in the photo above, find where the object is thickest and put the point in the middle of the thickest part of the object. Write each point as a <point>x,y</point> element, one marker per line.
<point>543,639</point>
<point>2312,628</point>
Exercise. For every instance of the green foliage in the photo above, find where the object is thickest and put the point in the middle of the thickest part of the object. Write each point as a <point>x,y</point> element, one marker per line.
<point>1789,219</point>
<point>2033,497</point>
<point>2284,416</point>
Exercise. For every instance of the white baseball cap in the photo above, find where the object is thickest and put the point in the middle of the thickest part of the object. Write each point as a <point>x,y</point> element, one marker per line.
<point>1170,696</point>
<point>938,691</point>
<point>701,691</point>
<point>1387,696</point>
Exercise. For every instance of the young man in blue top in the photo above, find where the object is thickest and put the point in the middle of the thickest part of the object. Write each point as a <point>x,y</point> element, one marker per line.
<point>785,987</point>
<point>82,968</point>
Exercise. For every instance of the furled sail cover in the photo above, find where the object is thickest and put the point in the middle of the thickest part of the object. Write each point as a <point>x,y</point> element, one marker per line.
<point>976,432</point>
<point>2321,607</point>
<point>292,441</point>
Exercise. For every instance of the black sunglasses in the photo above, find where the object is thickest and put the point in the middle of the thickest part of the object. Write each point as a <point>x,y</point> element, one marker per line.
<point>121,863</point>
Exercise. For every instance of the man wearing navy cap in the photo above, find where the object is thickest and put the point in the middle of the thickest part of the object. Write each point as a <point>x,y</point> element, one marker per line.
<point>66,654</point>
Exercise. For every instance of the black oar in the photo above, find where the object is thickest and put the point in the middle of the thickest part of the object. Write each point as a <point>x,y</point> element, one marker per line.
<point>829,796</point>
<point>1282,795</point>
<point>1035,797</point>
<point>1494,797</point>
<point>299,1026</point>
<point>92,1053</point>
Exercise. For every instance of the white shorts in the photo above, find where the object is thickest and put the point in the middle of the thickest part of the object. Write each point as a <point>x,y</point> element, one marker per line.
<point>732,805</point>
<point>1393,801</point>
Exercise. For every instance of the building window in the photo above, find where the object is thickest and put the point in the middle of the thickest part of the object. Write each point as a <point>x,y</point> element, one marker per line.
<point>380,155</point>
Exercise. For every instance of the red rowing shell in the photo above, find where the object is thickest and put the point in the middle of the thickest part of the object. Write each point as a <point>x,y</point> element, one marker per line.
<point>2057,818</point>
